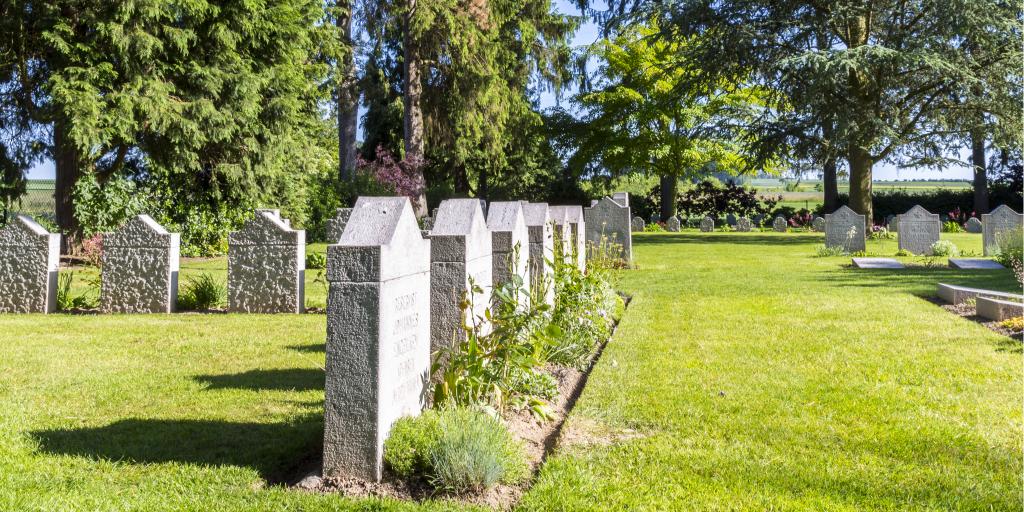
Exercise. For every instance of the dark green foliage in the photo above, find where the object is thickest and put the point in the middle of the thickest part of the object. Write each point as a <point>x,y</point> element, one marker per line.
<point>201,293</point>
<point>586,307</point>
<point>88,299</point>
<point>708,198</point>
<point>940,201</point>
<point>316,261</point>
<point>456,449</point>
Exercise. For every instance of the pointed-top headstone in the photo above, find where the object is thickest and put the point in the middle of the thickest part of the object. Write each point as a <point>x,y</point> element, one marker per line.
<point>845,229</point>
<point>140,268</point>
<point>510,243</point>
<point>542,248</point>
<point>29,259</point>
<point>267,266</point>
<point>918,230</point>
<point>336,225</point>
<point>1003,221</point>
<point>378,334</point>
<point>608,225</point>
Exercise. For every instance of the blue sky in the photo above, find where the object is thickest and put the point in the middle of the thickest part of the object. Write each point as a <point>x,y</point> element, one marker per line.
<point>587,34</point>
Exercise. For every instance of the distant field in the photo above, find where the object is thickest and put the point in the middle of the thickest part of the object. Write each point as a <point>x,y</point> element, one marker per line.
<point>38,199</point>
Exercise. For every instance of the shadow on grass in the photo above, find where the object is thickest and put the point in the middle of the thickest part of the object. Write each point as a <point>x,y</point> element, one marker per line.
<point>920,281</point>
<point>275,450</point>
<point>727,238</point>
<point>290,379</point>
<point>314,348</point>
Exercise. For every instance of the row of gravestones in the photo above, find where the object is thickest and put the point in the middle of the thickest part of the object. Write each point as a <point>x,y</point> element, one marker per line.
<point>742,224</point>
<point>396,292</point>
<point>973,224</point>
<point>266,267</point>
<point>918,229</point>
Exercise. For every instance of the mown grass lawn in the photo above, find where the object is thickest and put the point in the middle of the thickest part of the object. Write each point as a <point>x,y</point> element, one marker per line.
<point>746,375</point>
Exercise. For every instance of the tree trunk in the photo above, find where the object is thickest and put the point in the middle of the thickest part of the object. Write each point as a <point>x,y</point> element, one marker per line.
<point>413,114</point>
<point>669,188</point>
<point>460,179</point>
<point>980,171</point>
<point>860,183</point>
<point>348,96</point>
<point>830,184</point>
<point>68,166</point>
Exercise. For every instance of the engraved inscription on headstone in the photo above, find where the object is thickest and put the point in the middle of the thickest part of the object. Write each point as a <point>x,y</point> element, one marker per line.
<point>845,229</point>
<point>608,224</point>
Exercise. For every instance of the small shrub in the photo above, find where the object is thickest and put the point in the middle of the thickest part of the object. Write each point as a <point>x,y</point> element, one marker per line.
<point>881,233</point>
<point>456,449</point>
<point>824,252</point>
<point>316,260</point>
<point>68,302</point>
<point>951,227</point>
<point>944,248</point>
<point>1010,252</point>
<point>1015,324</point>
<point>202,292</point>
<point>654,227</point>
<point>903,252</point>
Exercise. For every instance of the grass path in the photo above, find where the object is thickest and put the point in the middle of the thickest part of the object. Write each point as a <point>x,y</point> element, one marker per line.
<point>746,375</point>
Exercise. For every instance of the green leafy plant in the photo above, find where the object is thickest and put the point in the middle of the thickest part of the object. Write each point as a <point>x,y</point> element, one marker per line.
<point>456,449</point>
<point>1009,251</point>
<point>903,252</point>
<point>316,260</point>
<point>585,309</point>
<point>952,227</point>
<point>202,292</point>
<point>66,301</point>
<point>944,248</point>
<point>824,252</point>
<point>654,227</point>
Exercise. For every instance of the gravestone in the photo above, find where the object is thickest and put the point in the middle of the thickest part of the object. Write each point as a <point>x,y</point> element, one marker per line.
<point>780,225</point>
<point>607,223</point>
<point>1001,220</point>
<point>578,227</point>
<point>267,266</point>
<point>894,225</point>
<point>974,264</point>
<point>877,263</point>
<point>378,334</point>
<point>707,224</point>
<point>845,229</point>
<point>637,225</point>
<point>996,309</point>
<point>818,224</point>
<point>29,261</point>
<point>919,230</point>
<point>973,225</point>
<point>140,268</point>
<point>428,223</point>
<point>743,225</point>
<point>542,247</point>
<point>731,219</point>
<point>460,257</point>
<point>336,225</point>
<point>672,224</point>
<point>758,219</point>
<point>510,244</point>
<point>890,222</point>
<point>563,232</point>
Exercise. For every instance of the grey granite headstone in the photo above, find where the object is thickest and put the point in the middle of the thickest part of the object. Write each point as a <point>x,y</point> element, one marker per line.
<point>894,226</point>
<point>974,264</point>
<point>973,225</point>
<point>731,219</point>
<point>818,224</point>
<point>378,334</point>
<point>877,263</point>
<point>336,225</point>
<point>542,247</point>
<point>140,268</point>
<point>743,225</point>
<point>608,222</point>
<point>637,225</point>
<point>267,266</point>
<point>29,260</point>
<point>890,222</point>
<point>780,225</point>
<point>845,229</point>
<point>460,256</point>
<point>758,219</point>
<point>919,230</point>
<point>562,231</point>
<point>672,224</point>
<point>578,226</point>
<point>510,244</point>
<point>707,224</point>
<point>1001,220</point>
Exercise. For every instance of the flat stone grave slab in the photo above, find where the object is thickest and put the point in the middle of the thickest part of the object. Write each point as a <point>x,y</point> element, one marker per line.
<point>954,294</point>
<point>877,263</point>
<point>974,264</point>
<point>997,309</point>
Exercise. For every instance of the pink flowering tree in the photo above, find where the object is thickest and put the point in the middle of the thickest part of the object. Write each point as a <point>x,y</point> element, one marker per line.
<point>404,176</point>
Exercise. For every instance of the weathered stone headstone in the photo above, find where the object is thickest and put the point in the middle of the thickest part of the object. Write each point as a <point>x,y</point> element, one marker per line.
<point>743,225</point>
<point>731,219</point>
<point>918,230</point>
<point>890,222</point>
<point>818,224</point>
<point>378,334</point>
<point>780,225</point>
<point>637,225</point>
<point>608,222</point>
<point>1002,220</point>
<point>29,260</point>
<point>845,229</point>
<point>973,225</point>
<point>140,268</point>
<point>267,266</point>
<point>974,264</point>
<point>562,231</point>
<point>336,225</point>
<point>758,219</point>
<point>542,248</point>
<point>672,224</point>
<point>894,226</point>
<point>578,226</point>
<point>877,263</point>
<point>510,244</point>
<point>707,224</point>
<point>460,257</point>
